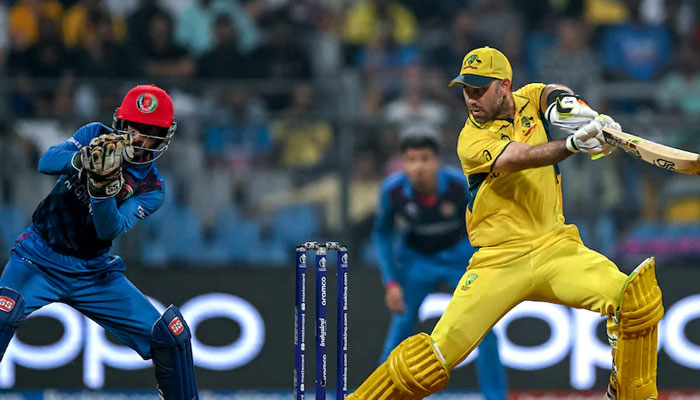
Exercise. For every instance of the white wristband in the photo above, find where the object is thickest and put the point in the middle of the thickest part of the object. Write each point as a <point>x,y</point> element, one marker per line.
<point>570,145</point>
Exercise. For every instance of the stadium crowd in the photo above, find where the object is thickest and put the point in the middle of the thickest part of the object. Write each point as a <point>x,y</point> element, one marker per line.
<point>290,111</point>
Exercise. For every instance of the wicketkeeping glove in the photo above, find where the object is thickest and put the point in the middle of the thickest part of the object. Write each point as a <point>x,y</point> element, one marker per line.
<point>102,161</point>
<point>569,112</point>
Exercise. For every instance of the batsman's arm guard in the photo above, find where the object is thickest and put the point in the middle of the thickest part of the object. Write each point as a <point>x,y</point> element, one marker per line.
<point>172,356</point>
<point>11,315</point>
<point>414,370</point>
<point>634,335</point>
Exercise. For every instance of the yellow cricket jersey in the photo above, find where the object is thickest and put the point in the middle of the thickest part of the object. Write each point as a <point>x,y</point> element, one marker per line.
<point>515,206</point>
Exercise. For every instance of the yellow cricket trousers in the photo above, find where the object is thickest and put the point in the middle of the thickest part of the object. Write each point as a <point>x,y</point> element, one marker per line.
<point>555,268</point>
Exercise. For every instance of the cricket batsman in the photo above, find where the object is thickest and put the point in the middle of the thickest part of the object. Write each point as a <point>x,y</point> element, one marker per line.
<point>107,182</point>
<point>525,249</point>
<point>423,205</point>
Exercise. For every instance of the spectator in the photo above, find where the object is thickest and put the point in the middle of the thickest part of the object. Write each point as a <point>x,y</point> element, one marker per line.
<point>225,59</point>
<point>24,20</point>
<point>686,15</point>
<point>301,139</point>
<point>435,13</point>
<point>412,108</point>
<point>79,23</point>
<point>384,61</point>
<point>139,18</point>
<point>281,58</point>
<point>122,8</point>
<point>237,136</point>
<point>326,190</point>
<point>501,24</point>
<point>462,39</point>
<point>570,61</point>
<point>605,12</point>
<point>163,58</point>
<point>4,28</point>
<point>103,56</point>
<point>373,101</point>
<point>679,95</point>
<point>194,26</point>
<point>37,72</point>
<point>680,89</point>
<point>369,19</point>
<point>636,51</point>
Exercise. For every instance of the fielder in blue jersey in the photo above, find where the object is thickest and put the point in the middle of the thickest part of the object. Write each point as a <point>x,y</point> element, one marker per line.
<point>427,203</point>
<point>107,182</point>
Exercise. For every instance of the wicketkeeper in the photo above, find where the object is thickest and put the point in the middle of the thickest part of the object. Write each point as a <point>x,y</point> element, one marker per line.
<point>107,182</point>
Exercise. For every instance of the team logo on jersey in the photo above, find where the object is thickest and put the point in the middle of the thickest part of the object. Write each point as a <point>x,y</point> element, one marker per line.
<point>448,209</point>
<point>140,212</point>
<point>471,60</point>
<point>6,304</point>
<point>527,123</point>
<point>470,279</point>
<point>176,326</point>
<point>146,103</point>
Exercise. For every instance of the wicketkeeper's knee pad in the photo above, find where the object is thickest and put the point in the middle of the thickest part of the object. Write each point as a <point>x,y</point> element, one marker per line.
<point>11,315</point>
<point>634,335</point>
<point>172,356</point>
<point>414,370</point>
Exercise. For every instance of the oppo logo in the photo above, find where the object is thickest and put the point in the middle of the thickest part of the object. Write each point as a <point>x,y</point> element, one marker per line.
<point>81,334</point>
<point>573,332</point>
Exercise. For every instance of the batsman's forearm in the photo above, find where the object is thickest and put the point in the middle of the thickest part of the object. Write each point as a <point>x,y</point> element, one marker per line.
<point>545,154</point>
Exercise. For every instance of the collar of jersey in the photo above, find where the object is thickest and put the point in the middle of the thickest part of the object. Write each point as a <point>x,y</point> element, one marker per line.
<point>441,184</point>
<point>494,125</point>
<point>141,171</point>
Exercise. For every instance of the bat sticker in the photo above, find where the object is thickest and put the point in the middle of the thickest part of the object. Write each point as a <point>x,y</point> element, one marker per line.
<point>667,164</point>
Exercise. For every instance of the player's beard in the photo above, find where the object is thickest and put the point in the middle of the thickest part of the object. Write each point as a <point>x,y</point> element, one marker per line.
<point>496,113</point>
<point>499,109</point>
<point>142,156</point>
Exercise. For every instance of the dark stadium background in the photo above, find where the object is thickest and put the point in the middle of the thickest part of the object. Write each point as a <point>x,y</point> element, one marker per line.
<point>289,114</point>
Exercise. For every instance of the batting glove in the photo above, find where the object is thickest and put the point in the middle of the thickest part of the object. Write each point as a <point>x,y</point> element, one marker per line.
<point>607,122</point>
<point>569,112</point>
<point>585,139</point>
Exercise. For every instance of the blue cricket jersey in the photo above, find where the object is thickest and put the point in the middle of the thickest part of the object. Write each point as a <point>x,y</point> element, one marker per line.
<point>428,226</point>
<point>73,232</point>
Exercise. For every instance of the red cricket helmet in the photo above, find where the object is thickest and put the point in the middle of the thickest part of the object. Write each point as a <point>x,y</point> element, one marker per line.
<point>147,106</point>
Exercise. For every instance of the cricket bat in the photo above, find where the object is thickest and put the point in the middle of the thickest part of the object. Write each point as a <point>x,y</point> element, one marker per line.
<point>657,154</point>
